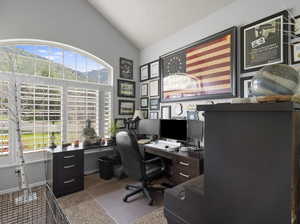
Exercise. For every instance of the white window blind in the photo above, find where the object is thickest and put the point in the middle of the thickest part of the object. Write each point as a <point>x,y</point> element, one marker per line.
<point>41,115</point>
<point>107,113</point>
<point>4,126</point>
<point>82,105</point>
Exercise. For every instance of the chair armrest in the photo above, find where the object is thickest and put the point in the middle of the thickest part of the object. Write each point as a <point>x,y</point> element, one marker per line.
<point>155,159</point>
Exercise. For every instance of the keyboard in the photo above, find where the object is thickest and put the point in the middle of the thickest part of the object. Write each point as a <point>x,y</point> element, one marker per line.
<point>168,146</point>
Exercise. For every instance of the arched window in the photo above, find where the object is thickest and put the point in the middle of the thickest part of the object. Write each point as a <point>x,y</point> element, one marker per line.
<point>59,87</point>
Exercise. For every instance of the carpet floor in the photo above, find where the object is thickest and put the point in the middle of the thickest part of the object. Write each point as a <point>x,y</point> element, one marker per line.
<point>101,202</point>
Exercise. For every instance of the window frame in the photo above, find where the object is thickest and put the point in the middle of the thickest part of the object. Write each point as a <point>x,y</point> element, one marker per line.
<point>19,78</point>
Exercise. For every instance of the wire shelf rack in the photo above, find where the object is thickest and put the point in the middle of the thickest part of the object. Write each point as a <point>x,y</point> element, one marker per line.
<point>42,209</point>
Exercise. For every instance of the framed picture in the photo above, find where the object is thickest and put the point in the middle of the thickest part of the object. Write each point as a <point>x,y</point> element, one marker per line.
<point>145,113</point>
<point>126,107</point>
<point>245,87</point>
<point>154,69</point>
<point>120,123</point>
<point>144,102</point>
<point>153,115</point>
<point>297,26</point>
<point>192,115</point>
<point>203,70</point>
<point>154,104</point>
<point>296,53</point>
<point>265,42</point>
<point>126,68</point>
<point>126,88</point>
<point>165,112</point>
<point>154,88</point>
<point>144,72</point>
<point>144,89</point>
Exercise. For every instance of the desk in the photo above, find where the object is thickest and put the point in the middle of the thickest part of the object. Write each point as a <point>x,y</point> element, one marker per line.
<point>181,166</point>
<point>66,167</point>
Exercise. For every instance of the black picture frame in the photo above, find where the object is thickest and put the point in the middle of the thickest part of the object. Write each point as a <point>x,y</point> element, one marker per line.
<point>121,92</point>
<point>144,85</point>
<point>130,112</point>
<point>144,72</point>
<point>154,103</point>
<point>232,68</point>
<point>152,74</point>
<point>284,38</point>
<point>244,81</point>
<point>157,94</point>
<point>126,68</point>
<point>145,99</point>
<point>162,115</point>
<point>296,20</point>
<point>122,121</point>
<point>154,115</point>
<point>296,45</point>
<point>145,113</point>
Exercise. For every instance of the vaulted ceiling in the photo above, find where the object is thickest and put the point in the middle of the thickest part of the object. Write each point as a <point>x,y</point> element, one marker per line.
<point>146,21</point>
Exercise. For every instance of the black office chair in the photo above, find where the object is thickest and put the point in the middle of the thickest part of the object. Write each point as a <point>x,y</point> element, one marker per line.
<point>137,168</point>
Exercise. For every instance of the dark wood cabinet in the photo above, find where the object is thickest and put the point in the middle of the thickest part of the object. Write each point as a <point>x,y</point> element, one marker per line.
<point>68,172</point>
<point>251,163</point>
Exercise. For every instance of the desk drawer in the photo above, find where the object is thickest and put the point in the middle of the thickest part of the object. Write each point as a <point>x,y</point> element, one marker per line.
<point>185,170</point>
<point>69,171</point>
<point>68,185</point>
<point>186,163</point>
<point>68,158</point>
<point>182,175</point>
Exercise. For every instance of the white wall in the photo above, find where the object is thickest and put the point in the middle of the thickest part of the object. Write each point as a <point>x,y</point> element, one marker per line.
<point>238,13</point>
<point>72,22</point>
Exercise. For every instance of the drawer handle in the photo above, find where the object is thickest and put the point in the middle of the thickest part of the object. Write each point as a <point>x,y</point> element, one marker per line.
<point>184,164</point>
<point>68,167</point>
<point>69,181</point>
<point>69,157</point>
<point>184,175</point>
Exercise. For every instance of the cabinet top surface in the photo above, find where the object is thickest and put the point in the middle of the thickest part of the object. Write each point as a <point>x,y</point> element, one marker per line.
<point>282,106</point>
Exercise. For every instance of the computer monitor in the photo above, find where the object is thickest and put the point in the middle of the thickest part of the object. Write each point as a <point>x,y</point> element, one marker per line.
<point>148,127</point>
<point>173,129</point>
<point>195,129</point>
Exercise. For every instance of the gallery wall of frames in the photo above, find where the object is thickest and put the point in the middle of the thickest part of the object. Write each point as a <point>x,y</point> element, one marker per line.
<point>217,68</point>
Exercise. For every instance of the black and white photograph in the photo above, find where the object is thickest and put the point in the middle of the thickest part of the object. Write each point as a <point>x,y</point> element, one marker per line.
<point>165,112</point>
<point>144,89</point>
<point>265,42</point>
<point>154,104</point>
<point>296,53</point>
<point>154,88</point>
<point>126,88</point>
<point>144,72</point>
<point>120,123</point>
<point>246,87</point>
<point>126,68</point>
<point>153,115</point>
<point>144,102</point>
<point>192,115</point>
<point>154,70</point>
<point>297,26</point>
<point>126,107</point>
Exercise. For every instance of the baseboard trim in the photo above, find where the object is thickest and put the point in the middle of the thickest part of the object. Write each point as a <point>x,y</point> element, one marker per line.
<point>14,189</point>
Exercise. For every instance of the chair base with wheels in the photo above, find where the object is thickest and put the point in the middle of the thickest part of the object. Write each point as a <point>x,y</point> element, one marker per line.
<point>143,188</point>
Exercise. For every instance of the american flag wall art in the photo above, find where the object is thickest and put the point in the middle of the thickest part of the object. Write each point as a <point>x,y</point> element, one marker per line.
<point>203,70</point>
